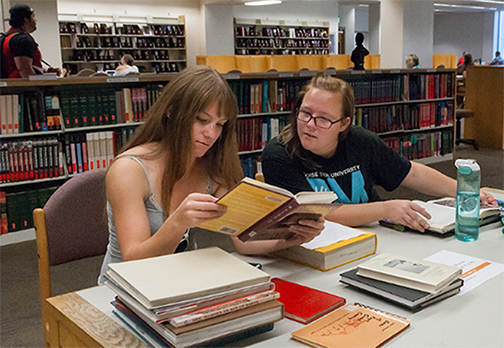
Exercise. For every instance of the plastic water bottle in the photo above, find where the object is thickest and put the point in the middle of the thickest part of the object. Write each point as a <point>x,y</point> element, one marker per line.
<point>468,200</point>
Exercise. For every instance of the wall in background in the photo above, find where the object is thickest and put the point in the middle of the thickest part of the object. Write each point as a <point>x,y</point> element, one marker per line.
<point>458,32</point>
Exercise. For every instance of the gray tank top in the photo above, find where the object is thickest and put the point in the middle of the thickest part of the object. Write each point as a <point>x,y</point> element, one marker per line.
<point>155,216</point>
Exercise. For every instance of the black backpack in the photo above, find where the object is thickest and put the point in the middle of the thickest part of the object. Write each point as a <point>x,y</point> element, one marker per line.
<point>3,37</point>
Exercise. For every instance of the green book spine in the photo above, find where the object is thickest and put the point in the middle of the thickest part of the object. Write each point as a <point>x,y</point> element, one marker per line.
<point>92,112</point>
<point>83,107</point>
<point>112,107</point>
<point>65,109</point>
<point>99,108</point>
<point>12,212</point>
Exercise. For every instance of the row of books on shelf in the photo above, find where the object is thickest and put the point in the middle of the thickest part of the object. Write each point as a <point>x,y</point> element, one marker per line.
<point>31,159</point>
<point>95,150</point>
<point>29,112</point>
<point>36,112</point>
<point>380,119</point>
<point>91,107</point>
<point>266,96</point>
<point>17,207</point>
<point>47,157</point>
<point>401,87</point>
<point>423,145</point>
<point>254,133</point>
<point>428,86</point>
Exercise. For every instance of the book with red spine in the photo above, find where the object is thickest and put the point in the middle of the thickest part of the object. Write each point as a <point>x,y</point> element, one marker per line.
<point>304,304</point>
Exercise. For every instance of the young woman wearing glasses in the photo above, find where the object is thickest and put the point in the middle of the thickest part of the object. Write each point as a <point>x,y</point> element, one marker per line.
<point>321,151</point>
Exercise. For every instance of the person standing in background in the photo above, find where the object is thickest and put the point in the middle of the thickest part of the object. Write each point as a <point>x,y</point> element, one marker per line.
<point>359,52</point>
<point>21,56</point>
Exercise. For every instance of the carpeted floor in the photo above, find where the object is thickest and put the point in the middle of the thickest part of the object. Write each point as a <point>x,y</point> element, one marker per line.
<point>21,324</point>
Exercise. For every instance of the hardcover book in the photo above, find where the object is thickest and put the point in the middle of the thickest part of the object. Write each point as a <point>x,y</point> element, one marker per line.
<point>353,325</point>
<point>304,304</point>
<point>335,246</point>
<point>156,281</point>
<point>409,272</point>
<point>412,299</point>
<point>258,211</point>
<point>443,213</point>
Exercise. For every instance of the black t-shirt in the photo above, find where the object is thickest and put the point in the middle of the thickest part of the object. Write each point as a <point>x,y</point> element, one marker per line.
<point>361,161</point>
<point>22,45</point>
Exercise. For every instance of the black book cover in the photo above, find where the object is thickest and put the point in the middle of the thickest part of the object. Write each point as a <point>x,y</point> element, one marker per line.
<point>404,296</point>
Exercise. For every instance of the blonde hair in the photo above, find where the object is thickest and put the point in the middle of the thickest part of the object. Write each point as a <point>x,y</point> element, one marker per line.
<point>170,121</point>
<point>289,135</point>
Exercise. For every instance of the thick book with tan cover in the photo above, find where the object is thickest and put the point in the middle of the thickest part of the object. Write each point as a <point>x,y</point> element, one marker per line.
<point>353,325</point>
<point>163,280</point>
<point>258,211</point>
<point>337,245</point>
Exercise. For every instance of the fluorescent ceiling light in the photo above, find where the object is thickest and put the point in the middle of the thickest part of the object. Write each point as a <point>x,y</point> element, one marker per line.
<point>465,6</point>
<point>263,3</point>
<point>497,2</point>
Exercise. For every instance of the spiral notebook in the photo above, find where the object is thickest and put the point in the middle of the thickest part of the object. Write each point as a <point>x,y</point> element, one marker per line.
<point>353,325</point>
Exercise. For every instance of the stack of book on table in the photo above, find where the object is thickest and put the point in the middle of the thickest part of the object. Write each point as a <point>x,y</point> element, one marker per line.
<point>411,283</point>
<point>201,297</point>
<point>335,246</point>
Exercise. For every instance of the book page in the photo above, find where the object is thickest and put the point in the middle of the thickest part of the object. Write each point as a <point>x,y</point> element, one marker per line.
<point>246,204</point>
<point>332,233</point>
<point>475,271</point>
<point>353,325</point>
<point>442,216</point>
<point>449,202</point>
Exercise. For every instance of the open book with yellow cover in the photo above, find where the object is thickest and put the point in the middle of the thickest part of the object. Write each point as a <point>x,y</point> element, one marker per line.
<point>258,211</point>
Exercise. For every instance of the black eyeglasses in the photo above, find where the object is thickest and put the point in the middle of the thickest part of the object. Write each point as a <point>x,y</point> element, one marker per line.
<point>321,122</point>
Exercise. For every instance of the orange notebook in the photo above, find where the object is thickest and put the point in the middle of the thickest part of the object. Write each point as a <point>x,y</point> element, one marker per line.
<point>304,304</point>
<point>351,326</point>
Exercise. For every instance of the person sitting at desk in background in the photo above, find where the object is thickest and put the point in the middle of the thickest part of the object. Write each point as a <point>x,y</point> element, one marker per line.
<point>126,66</point>
<point>461,59</point>
<point>21,56</point>
<point>167,178</point>
<point>498,60</point>
<point>468,61</point>
<point>359,52</point>
<point>320,150</point>
<point>412,61</point>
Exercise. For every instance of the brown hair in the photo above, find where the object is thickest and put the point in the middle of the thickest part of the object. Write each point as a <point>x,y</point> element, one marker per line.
<point>289,135</point>
<point>128,59</point>
<point>170,121</point>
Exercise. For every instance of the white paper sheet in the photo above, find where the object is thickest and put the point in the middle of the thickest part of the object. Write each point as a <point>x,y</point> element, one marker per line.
<point>475,271</point>
<point>332,233</point>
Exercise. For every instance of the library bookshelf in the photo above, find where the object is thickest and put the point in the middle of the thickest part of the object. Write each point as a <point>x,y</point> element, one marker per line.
<point>66,126</point>
<point>97,42</point>
<point>279,37</point>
